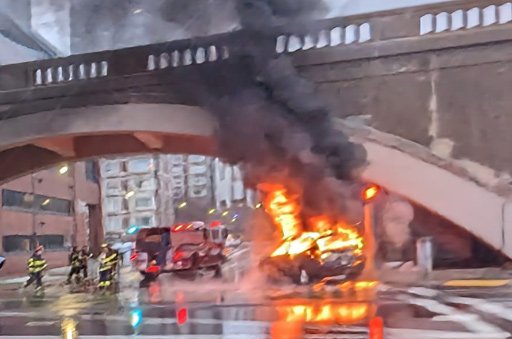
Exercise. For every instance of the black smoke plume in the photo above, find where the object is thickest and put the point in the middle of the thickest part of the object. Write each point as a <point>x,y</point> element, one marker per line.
<point>279,129</point>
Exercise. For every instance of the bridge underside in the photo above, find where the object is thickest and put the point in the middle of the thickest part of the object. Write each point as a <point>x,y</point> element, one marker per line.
<point>36,141</point>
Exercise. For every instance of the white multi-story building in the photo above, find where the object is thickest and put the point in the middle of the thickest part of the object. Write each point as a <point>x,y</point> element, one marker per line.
<point>134,193</point>
<point>144,191</point>
<point>200,177</point>
<point>229,186</point>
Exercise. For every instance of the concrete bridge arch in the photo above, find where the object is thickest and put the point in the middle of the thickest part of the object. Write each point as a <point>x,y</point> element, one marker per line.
<point>437,184</point>
<point>35,141</point>
<point>42,139</point>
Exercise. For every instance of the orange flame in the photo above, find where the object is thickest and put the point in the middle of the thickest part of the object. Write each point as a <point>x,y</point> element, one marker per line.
<point>284,211</point>
<point>345,314</point>
<point>325,235</point>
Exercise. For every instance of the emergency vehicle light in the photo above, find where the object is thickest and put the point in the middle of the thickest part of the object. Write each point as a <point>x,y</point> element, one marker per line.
<point>181,316</point>
<point>132,230</point>
<point>182,227</point>
<point>370,192</point>
<point>136,317</point>
<point>215,223</point>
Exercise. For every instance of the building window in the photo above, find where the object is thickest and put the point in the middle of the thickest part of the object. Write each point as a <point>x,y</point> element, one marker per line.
<point>144,221</point>
<point>35,203</point>
<point>17,243</point>
<point>142,165</point>
<point>26,243</point>
<point>177,159</point>
<point>17,199</point>
<point>113,187</point>
<point>147,184</point>
<point>196,159</point>
<point>51,241</point>
<point>91,171</point>
<point>55,205</point>
<point>144,202</point>
<point>197,169</point>
<point>115,205</point>
<point>111,168</point>
<point>116,224</point>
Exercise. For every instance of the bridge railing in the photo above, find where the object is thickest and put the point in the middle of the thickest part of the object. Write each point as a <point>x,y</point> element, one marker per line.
<point>119,63</point>
<point>394,24</point>
<point>292,38</point>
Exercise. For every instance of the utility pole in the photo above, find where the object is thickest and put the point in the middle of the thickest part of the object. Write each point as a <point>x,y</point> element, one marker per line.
<point>33,210</point>
<point>74,237</point>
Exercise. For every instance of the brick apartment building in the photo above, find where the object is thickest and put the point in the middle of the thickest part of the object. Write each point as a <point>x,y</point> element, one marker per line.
<point>56,208</point>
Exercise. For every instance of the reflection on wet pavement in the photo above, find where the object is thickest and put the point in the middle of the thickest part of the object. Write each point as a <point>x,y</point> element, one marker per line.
<point>248,308</point>
<point>202,307</point>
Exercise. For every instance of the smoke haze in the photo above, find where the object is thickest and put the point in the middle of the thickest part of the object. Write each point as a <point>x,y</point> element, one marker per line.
<point>279,129</point>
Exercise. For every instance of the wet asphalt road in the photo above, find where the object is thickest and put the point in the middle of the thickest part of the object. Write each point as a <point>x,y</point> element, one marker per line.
<point>247,308</point>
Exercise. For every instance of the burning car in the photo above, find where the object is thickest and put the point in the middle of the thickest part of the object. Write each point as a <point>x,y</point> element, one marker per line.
<point>312,264</point>
<point>326,250</point>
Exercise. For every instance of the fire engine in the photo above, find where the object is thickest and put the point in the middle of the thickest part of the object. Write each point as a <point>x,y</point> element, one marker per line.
<point>184,247</point>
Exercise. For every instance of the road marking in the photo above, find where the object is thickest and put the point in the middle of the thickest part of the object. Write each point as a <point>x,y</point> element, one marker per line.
<point>423,291</point>
<point>472,322</point>
<point>397,333</point>
<point>484,306</point>
<point>477,283</point>
<point>41,323</point>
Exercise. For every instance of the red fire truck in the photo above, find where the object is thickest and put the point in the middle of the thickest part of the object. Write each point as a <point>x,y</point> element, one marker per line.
<point>182,247</point>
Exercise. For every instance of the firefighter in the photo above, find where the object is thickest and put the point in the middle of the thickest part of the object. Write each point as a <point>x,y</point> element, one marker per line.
<point>84,260</point>
<point>75,263</point>
<point>36,265</point>
<point>108,262</point>
<point>150,274</point>
<point>115,260</point>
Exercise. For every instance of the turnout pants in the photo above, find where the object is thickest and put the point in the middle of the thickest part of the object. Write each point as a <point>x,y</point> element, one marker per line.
<point>105,278</point>
<point>37,277</point>
<point>72,272</point>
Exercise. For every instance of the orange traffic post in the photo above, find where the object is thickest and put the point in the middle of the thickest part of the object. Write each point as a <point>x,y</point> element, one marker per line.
<point>376,328</point>
<point>369,194</point>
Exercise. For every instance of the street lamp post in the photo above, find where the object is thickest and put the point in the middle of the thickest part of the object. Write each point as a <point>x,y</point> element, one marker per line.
<point>369,195</point>
<point>33,210</point>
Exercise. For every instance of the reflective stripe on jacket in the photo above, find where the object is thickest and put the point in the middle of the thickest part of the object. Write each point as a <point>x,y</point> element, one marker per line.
<point>74,259</point>
<point>108,262</point>
<point>36,264</point>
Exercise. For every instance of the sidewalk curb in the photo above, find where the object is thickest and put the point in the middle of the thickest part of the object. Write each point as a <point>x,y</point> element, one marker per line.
<point>486,277</point>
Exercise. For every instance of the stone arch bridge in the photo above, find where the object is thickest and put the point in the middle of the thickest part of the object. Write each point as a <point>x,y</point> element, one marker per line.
<point>431,84</point>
